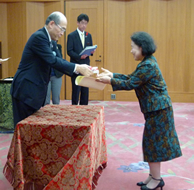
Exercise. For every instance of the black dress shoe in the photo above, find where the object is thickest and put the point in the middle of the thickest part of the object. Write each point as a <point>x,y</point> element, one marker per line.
<point>161,185</point>
<point>142,183</point>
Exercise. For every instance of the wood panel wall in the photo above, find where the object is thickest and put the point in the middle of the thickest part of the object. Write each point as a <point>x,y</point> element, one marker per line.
<point>20,19</point>
<point>3,38</point>
<point>170,22</point>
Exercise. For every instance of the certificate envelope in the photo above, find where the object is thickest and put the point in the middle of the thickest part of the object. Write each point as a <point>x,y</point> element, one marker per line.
<point>89,82</point>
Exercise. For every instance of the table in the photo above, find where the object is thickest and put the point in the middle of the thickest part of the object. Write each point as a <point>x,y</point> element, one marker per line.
<point>6,113</point>
<point>60,147</point>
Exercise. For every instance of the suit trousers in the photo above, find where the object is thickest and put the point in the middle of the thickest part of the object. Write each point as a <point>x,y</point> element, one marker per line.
<point>54,87</point>
<point>77,91</point>
<point>20,110</point>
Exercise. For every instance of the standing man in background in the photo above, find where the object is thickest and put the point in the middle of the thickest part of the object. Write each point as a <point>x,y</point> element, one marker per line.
<point>76,42</point>
<point>54,85</point>
<point>30,83</point>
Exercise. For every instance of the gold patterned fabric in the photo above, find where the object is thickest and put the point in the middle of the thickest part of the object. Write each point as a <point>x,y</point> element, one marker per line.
<point>59,147</point>
<point>6,113</point>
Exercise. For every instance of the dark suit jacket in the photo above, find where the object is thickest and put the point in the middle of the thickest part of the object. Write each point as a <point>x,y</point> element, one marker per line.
<point>74,47</point>
<point>58,49</point>
<point>31,79</point>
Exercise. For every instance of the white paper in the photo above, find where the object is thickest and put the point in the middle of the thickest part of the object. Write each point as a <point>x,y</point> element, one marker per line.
<point>2,60</point>
<point>8,79</point>
<point>95,70</point>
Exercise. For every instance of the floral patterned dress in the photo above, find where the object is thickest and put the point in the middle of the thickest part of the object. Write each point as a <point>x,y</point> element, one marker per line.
<point>160,140</point>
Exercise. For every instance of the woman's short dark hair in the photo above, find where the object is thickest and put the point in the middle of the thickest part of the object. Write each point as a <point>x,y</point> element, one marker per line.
<point>83,17</point>
<point>145,41</point>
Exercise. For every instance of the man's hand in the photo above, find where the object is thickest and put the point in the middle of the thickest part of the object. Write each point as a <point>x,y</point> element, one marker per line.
<point>105,73</point>
<point>93,51</point>
<point>84,70</point>
<point>84,56</point>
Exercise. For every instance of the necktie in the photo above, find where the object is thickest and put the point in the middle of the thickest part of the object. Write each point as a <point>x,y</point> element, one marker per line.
<point>82,39</point>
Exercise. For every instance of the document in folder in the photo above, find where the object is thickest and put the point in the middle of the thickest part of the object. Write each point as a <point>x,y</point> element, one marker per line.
<point>89,82</point>
<point>88,50</point>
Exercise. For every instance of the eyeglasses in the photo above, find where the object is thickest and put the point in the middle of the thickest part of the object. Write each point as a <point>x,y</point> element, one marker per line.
<point>62,29</point>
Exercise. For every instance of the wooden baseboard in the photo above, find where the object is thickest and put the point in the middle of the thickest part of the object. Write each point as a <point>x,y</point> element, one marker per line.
<point>182,97</point>
<point>131,96</point>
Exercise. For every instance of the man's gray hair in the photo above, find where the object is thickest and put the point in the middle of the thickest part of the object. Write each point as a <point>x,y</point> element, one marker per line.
<point>55,16</point>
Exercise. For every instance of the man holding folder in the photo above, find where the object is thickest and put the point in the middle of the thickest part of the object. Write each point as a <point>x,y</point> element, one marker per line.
<point>76,42</point>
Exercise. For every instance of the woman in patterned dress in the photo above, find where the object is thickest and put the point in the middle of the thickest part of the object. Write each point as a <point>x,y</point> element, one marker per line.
<point>160,140</point>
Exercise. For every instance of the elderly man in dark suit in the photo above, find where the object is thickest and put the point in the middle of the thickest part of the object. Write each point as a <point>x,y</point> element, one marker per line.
<point>76,42</point>
<point>29,86</point>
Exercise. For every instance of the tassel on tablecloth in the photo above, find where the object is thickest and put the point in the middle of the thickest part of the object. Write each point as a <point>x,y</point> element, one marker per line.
<point>97,174</point>
<point>8,173</point>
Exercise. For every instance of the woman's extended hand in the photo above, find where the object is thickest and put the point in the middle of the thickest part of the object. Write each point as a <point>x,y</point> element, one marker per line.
<point>104,79</point>
<point>105,73</point>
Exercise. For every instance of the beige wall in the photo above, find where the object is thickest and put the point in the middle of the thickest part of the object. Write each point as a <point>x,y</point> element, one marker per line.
<point>19,20</point>
<point>3,37</point>
<point>171,23</point>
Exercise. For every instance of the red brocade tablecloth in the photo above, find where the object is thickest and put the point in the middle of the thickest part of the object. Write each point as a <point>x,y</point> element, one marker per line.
<point>59,147</point>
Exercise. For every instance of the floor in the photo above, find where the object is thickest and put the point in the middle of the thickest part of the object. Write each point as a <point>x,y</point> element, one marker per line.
<point>124,127</point>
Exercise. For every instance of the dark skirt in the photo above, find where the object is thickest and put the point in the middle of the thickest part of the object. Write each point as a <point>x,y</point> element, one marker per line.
<point>160,140</point>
